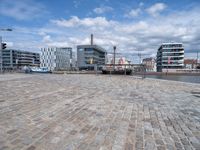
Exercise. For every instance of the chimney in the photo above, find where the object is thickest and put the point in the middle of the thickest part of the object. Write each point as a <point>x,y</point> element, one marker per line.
<point>91,39</point>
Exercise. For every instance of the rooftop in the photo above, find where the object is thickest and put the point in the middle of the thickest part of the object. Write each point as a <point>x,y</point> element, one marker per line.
<point>22,51</point>
<point>92,46</point>
<point>190,61</point>
<point>171,43</point>
<point>149,59</point>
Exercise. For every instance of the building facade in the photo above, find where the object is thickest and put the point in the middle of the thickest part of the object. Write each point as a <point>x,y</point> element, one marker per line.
<point>17,59</point>
<point>170,56</point>
<point>150,64</point>
<point>56,59</point>
<point>190,64</point>
<point>90,56</point>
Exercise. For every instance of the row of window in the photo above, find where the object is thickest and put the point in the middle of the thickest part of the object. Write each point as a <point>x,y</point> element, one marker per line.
<point>175,58</point>
<point>172,50</point>
<point>172,45</point>
<point>175,63</point>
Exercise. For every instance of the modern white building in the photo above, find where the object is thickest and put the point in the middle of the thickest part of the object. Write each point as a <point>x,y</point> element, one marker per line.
<point>55,58</point>
<point>170,57</point>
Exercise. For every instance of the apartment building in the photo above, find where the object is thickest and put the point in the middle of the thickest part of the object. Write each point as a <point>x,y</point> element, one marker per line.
<point>170,57</point>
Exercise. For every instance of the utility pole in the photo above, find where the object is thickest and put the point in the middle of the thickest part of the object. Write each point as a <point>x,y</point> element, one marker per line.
<point>140,57</point>
<point>114,56</point>
<point>1,55</point>
<point>140,63</point>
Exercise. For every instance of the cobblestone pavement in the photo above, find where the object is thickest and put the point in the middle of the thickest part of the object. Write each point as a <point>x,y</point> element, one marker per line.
<point>90,112</point>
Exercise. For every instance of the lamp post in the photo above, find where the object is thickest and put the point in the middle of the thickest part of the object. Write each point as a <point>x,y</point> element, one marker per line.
<point>114,56</point>
<point>1,48</point>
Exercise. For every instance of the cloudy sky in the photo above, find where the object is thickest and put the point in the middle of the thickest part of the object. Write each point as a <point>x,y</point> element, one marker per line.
<point>132,25</point>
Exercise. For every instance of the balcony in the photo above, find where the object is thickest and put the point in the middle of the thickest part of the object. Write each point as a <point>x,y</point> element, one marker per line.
<point>172,56</point>
<point>173,65</point>
<point>182,47</point>
<point>173,61</point>
<point>164,52</point>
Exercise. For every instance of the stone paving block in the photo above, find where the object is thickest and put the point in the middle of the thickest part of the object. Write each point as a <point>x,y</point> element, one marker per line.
<point>89,112</point>
<point>149,145</point>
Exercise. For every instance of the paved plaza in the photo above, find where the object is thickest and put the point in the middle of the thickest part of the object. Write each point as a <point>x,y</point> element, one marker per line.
<point>97,112</point>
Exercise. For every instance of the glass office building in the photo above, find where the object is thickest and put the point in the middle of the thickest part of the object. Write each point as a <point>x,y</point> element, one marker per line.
<point>17,59</point>
<point>90,56</point>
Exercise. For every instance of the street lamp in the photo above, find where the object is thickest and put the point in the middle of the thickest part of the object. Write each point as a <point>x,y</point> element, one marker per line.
<point>1,44</point>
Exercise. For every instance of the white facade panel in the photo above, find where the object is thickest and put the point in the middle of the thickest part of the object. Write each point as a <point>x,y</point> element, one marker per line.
<point>56,58</point>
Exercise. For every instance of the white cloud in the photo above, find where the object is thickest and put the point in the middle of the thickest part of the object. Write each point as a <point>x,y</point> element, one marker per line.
<point>58,44</point>
<point>47,39</point>
<point>76,3</point>
<point>134,13</point>
<point>21,10</point>
<point>143,35</point>
<point>131,28</point>
<point>9,44</point>
<point>103,9</point>
<point>87,22</point>
<point>155,9</point>
<point>130,37</point>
